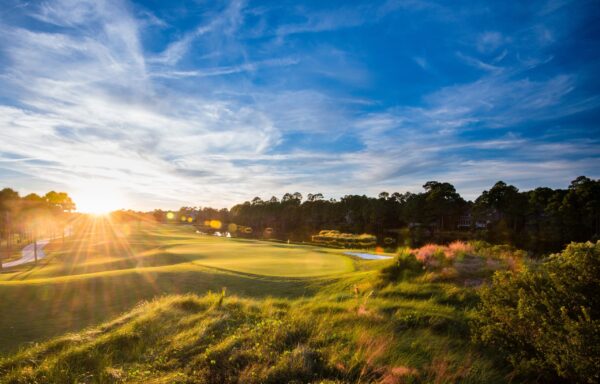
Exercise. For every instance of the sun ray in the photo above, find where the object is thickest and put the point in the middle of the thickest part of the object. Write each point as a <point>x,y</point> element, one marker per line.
<point>98,199</point>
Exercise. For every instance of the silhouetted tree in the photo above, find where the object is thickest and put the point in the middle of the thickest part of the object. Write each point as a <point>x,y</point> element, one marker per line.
<point>541,220</point>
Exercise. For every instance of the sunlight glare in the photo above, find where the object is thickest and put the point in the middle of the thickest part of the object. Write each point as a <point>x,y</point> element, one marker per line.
<point>98,199</point>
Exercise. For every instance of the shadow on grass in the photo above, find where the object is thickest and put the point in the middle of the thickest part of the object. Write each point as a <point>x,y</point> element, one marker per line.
<point>55,308</point>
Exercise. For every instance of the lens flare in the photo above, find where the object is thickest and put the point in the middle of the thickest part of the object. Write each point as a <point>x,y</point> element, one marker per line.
<point>98,199</point>
<point>215,224</point>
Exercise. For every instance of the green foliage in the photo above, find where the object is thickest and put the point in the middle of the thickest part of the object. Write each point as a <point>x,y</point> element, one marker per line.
<point>404,267</point>
<point>321,339</point>
<point>23,218</point>
<point>344,240</point>
<point>498,251</point>
<point>546,320</point>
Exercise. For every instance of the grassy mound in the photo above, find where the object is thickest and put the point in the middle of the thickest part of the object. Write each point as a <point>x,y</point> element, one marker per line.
<point>409,332</point>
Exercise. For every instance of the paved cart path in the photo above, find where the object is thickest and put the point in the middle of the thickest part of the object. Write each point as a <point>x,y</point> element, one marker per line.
<point>28,254</point>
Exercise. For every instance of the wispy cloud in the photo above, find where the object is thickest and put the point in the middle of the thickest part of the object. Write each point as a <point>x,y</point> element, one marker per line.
<point>230,69</point>
<point>477,63</point>
<point>255,102</point>
<point>421,62</point>
<point>226,22</point>
<point>94,111</point>
<point>490,41</point>
<point>323,21</point>
<point>177,49</point>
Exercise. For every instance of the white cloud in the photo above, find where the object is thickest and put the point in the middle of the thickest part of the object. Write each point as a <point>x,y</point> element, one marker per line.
<point>490,41</point>
<point>89,104</point>
<point>421,62</point>
<point>225,22</point>
<point>323,21</point>
<point>480,64</point>
<point>228,70</point>
<point>93,113</point>
<point>177,49</point>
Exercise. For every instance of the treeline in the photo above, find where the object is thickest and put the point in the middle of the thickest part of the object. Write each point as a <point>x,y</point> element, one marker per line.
<point>540,220</point>
<point>23,219</point>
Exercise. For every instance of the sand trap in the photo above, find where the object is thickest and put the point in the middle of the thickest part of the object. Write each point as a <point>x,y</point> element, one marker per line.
<point>368,256</point>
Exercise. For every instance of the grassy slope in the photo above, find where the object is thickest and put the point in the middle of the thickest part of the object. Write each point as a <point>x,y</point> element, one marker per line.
<point>285,329</point>
<point>106,270</point>
<point>407,332</point>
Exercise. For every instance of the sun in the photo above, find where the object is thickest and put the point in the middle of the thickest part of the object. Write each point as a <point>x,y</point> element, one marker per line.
<point>98,199</point>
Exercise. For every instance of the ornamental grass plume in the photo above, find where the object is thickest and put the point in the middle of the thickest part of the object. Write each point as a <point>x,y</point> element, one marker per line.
<point>458,249</point>
<point>426,252</point>
<point>429,255</point>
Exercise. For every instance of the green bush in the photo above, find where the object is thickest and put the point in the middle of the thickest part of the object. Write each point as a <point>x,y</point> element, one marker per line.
<point>496,251</point>
<point>546,320</point>
<point>405,266</point>
<point>334,238</point>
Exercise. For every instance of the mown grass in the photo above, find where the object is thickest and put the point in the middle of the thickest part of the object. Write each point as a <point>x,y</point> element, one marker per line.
<point>111,248</point>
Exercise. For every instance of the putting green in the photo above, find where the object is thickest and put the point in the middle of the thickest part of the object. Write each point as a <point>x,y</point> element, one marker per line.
<point>259,257</point>
<point>263,259</point>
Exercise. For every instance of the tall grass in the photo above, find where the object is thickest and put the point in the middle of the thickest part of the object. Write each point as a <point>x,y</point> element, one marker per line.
<point>404,332</point>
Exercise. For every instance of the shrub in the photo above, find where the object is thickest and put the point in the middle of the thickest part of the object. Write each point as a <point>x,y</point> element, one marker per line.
<point>431,255</point>
<point>389,241</point>
<point>458,249</point>
<point>547,320</point>
<point>405,266</point>
<point>503,251</point>
<point>344,240</point>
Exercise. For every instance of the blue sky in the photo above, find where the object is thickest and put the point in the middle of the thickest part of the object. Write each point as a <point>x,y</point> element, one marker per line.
<point>213,103</point>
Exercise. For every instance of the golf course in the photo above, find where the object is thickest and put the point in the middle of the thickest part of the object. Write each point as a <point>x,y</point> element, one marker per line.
<point>106,268</point>
<point>145,302</point>
<point>168,290</point>
<point>299,192</point>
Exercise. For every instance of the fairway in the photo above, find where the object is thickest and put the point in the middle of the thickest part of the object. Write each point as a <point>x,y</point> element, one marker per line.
<point>105,269</point>
<point>262,258</point>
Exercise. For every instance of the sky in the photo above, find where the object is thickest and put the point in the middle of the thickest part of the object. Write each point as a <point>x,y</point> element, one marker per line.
<point>159,104</point>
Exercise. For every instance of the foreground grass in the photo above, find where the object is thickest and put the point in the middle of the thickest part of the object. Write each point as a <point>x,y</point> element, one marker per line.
<point>408,332</point>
